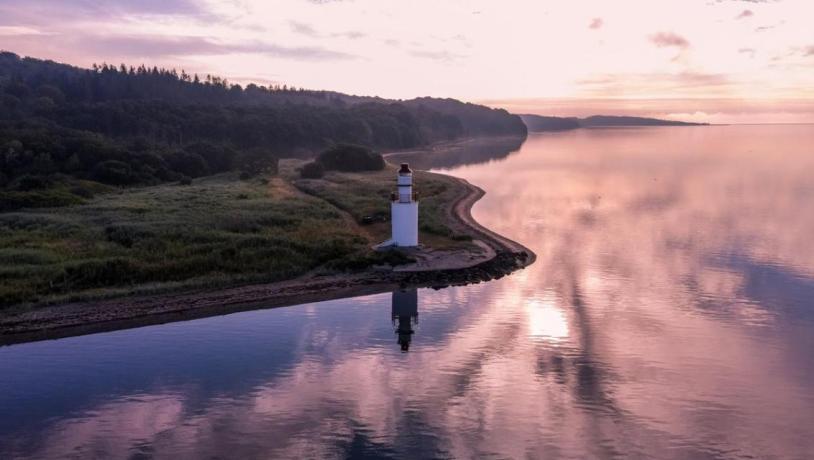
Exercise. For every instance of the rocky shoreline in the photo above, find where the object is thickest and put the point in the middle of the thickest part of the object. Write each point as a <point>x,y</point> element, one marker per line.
<point>502,257</point>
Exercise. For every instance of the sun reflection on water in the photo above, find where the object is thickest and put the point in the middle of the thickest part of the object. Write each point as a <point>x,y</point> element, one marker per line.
<point>546,320</point>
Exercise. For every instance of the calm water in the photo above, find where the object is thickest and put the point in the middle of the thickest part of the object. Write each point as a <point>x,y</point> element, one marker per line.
<point>670,314</point>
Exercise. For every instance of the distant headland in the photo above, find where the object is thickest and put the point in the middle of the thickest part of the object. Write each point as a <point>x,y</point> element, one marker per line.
<point>540,123</point>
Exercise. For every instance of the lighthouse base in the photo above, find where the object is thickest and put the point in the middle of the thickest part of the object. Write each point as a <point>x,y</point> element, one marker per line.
<point>404,221</point>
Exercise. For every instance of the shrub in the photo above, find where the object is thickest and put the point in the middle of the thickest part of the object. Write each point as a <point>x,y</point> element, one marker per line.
<point>312,170</point>
<point>12,200</point>
<point>348,157</point>
<point>187,163</point>
<point>30,182</point>
<point>113,172</point>
<point>185,180</point>
<point>258,161</point>
<point>218,157</point>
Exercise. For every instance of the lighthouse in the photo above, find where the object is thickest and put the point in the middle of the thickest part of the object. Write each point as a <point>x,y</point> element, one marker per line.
<point>404,210</point>
<point>404,313</point>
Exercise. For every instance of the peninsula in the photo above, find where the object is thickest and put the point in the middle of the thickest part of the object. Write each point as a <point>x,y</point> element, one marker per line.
<point>135,195</point>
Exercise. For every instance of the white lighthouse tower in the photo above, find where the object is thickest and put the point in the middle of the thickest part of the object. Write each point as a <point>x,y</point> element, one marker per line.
<point>404,211</point>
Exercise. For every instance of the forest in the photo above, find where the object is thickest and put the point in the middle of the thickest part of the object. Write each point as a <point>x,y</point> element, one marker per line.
<point>125,125</point>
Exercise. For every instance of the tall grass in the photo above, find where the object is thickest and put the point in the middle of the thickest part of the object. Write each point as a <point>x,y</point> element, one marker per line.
<point>218,231</point>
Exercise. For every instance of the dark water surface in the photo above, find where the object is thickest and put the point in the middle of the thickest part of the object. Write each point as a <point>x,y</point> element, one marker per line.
<point>670,314</point>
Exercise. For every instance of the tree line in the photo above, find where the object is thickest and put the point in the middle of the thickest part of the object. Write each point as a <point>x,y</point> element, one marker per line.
<point>124,125</point>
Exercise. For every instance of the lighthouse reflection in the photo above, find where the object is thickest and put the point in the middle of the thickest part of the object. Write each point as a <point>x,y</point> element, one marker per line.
<point>404,315</point>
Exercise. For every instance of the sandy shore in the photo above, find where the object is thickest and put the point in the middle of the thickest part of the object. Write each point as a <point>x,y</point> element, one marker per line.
<point>498,256</point>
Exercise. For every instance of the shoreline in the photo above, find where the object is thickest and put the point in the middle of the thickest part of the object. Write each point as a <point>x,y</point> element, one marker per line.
<point>501,257</point>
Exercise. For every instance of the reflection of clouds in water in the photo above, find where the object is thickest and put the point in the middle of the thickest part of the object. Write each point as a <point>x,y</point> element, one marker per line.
<point>655,322</point>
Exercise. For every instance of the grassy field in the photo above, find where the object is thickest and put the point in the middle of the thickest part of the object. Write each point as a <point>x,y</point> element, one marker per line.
<point>219,231</point>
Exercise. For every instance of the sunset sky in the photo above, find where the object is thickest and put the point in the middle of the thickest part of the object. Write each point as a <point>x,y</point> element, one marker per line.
<point>710,60</point>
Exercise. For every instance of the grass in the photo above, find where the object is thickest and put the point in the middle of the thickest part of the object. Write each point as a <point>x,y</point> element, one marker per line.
<point>365,196</point>
<point>216,232</point>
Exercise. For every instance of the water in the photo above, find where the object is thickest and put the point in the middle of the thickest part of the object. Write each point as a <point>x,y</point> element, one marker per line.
<point>670,314</point>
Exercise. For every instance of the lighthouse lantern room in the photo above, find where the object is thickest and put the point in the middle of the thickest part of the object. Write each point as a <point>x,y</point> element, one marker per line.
<point>404,210</point>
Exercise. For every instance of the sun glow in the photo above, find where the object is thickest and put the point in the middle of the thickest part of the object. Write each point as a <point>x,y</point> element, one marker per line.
<point>546,321</point>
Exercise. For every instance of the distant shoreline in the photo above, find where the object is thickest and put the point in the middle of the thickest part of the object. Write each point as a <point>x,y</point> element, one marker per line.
<point>499,257</point>
<point>541,123</point>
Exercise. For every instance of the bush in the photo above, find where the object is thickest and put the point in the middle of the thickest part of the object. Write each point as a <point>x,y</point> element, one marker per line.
<point>348,157</point>
<point>218,157</point>
<point>29,182</point>
<point>254,162</point>
<point>113,172</point>
<point>187,163</point>
<point>312,170</point>
<point>12,200</point>
<point>185,180</point>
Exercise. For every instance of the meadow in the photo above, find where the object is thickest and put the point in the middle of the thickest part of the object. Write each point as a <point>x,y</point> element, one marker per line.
<point>217,231</point>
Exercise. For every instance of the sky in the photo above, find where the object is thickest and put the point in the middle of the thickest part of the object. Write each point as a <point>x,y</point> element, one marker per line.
<point>729,61</point>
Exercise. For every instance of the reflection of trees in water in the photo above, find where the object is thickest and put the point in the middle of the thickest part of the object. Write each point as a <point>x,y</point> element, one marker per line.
<point>466,152</point>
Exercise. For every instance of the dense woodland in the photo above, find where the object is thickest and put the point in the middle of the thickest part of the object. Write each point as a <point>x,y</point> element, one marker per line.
<point>124,125</point>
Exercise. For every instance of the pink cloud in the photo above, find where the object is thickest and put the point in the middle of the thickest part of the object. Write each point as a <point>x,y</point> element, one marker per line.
<point>596,23</point>
<point>745,14</point>
<point>668,39</point>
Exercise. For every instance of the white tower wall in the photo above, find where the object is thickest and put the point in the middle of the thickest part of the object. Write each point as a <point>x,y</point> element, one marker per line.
<point>405,223</point>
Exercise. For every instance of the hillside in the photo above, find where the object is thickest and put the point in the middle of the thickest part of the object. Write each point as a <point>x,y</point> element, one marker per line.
<point>539,123</point>
<point>137,125</point>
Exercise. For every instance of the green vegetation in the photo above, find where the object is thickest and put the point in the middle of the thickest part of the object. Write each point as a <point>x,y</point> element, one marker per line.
<point>363,196</point>
<point>120,180</point>
<point>343,157</point>
<point>348,157</point>
<point>217,231</point>
<point>127,126</point>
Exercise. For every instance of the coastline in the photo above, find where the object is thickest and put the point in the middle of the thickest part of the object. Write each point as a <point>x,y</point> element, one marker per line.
<point>500,256</point>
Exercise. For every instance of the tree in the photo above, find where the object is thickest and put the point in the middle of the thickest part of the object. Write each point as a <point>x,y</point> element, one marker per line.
<point>113,172</point>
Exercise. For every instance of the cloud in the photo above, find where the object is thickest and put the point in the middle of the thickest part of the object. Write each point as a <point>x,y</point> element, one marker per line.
<point>596,23</point>
<point>745,14</point>
<point>669,39</point>
<point>750,51</point>
<point>643,84</point>
<point>351,34</point>
<point>151,47</point>
<point>19,30</point>
<point>808,51</point>
<point>45,11</point>
<point>436,55</point>
<point>303,29</point>
<point>306,29</point>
